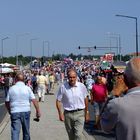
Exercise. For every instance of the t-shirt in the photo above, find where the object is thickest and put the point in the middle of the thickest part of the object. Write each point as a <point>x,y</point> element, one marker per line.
<point>99,92</point>
<point>19,97</point>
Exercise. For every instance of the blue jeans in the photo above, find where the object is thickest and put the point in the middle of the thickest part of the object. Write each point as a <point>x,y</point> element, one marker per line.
<point>17,120</point>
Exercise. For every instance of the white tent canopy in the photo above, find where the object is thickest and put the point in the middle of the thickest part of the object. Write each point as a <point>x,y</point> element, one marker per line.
<point>7,65</point>
<point>6,70</point>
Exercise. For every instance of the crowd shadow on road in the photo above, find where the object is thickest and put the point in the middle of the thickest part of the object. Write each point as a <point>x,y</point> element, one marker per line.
<point>96,133</point>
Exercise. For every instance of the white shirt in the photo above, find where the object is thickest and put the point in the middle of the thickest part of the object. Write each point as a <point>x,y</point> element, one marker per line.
<point>19,97</point>
<point>72,98</point>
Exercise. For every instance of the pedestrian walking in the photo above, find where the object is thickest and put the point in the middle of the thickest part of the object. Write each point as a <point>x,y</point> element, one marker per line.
<point>99,94</point>
<point>18,105</point>
<point>6,84</point>
<point>34,82</point>
<point>51,80</point>
<point>73,95</point>
<point>42,83</point>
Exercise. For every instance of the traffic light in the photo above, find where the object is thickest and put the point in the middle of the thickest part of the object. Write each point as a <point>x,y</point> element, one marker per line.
<point>79,47</point>
<point>94,47</point>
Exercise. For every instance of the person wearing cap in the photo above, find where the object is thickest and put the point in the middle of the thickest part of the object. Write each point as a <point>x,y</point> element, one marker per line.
<point>122,113</point>
<point>73,95</point>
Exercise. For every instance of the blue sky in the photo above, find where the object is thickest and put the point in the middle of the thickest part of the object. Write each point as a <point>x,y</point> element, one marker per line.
<point>67,24</point>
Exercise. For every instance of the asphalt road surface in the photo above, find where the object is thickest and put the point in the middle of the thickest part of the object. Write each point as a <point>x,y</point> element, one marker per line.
<point>3,110</point>
<point>98,134</point>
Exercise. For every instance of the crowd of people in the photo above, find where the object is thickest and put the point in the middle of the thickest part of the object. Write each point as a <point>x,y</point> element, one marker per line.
<point>80,83</point>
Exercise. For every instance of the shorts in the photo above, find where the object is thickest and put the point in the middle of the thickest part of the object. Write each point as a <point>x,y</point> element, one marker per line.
<point>97,107</point>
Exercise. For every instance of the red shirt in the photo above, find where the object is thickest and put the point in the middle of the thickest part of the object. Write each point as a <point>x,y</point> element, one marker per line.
<point>99,92</point>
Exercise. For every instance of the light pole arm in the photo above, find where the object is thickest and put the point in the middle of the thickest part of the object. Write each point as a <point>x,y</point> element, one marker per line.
<point>126,16</point>
<point>136,30</point>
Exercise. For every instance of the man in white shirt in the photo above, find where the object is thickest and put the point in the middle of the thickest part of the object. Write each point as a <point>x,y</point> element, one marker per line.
<point>73,96</point>
<point>18,105</point>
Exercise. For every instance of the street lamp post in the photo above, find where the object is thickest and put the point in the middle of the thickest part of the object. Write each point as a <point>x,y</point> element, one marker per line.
<point>135,18</point>
<point>44,49</point>
<point>31,42</point>
<point>48,48</point>
<point>2,47</point>
<point>118,39</point>
<point>117,45</point>
<point>17,36</point>
<point>109,36</point>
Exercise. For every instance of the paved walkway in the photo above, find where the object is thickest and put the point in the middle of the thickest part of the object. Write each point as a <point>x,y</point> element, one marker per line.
<point>48,128</point>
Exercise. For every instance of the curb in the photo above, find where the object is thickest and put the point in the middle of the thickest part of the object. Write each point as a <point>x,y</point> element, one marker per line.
<point>4,123</point>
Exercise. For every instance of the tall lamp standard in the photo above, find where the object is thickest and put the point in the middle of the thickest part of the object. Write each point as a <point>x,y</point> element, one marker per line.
<point>109,36</point>
<point>48,48</point>
<point>135,18</point>
<point>44,49</point>
<point>118,38</point>
<point>2,47</point>
<point>17,38</point>
<point>31,42</point>
<point>117,45</point>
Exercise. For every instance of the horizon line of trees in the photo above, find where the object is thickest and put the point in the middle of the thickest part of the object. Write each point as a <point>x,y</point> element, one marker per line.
<point>24,60</point>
